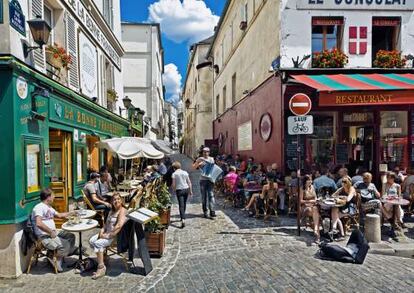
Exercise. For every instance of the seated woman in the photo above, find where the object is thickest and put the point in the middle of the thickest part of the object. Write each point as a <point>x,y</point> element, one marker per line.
<point>391,213</point>
<point>348,209</point>
<point>307,198</point>
<point>269,190</point>
<point>230,180</point>
<point>113,224</point>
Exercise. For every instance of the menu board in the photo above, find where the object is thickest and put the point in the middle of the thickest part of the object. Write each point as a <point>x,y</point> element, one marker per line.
<point>292,151</point>
<point>341,153</point>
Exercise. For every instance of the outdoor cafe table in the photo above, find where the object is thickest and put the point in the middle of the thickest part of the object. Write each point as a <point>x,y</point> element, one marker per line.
<point>121,193</point>
<point>87,214</point>
<point>84,225</point>
<point>327,205</point>
<point>395,202</point>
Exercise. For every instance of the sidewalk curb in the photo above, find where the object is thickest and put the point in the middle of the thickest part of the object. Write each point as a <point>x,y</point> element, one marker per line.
<point>405,250</point>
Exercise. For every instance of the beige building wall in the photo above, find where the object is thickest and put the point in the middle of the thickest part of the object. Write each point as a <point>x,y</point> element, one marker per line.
<point>244,56</point>
<point>198,91</point>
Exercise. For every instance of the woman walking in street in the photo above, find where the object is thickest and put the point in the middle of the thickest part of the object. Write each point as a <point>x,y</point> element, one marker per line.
<point>182,187</point>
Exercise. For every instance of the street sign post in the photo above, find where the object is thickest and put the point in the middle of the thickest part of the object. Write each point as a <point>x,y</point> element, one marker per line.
<point>300,125</point>
<point>300,105</point>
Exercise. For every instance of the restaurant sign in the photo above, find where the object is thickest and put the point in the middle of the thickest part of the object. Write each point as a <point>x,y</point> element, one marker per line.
<point>356,4</point>
<point>81,12</point>
<point>366,98</point>
<point>16,16</point>
<point>81,118</point>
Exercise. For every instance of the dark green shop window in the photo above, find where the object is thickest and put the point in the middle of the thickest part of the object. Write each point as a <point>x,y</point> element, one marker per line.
<point>80,159</point>
<point>33,150</point>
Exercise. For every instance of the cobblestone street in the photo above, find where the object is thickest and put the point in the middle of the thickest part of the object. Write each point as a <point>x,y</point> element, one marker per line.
<point>233,253</point>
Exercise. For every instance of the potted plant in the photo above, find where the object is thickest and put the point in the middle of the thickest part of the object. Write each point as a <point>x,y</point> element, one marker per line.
<point>164,208</point>
<point>111,95</point>
<point>155,237</point>
<point>57,56</point>
<point>333,58</point>
<point>389,59</point>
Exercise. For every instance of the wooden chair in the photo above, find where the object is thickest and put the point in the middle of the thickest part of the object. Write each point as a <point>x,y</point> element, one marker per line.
<point>113,250</point>
<point>270,206</point>
<point>292,199</point>
<point>411,199</point>
<point>353,220</point>
<point>228,193</point>
<point>100,214</point>
<point>41,251</point>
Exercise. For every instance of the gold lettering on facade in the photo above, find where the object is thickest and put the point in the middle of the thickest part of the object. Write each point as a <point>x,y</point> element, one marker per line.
<point>363,99</point>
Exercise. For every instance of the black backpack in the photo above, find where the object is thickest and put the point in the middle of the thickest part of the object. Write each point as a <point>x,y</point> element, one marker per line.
<point>338,253</point>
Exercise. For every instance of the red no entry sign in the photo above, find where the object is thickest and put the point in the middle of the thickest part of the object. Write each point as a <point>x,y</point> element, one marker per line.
<point>300,104</point>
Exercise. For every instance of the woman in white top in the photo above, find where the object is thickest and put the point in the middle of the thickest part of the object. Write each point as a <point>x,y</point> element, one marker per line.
<point>113,224</point>
<point>391,213</point>
<point>181,184</point>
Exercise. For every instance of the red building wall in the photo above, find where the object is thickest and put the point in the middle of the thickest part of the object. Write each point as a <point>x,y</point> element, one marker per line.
<point>264,99</point>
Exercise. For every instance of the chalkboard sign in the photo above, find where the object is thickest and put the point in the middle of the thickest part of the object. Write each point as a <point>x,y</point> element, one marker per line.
<point>291,158</point>
<point>341,153</point>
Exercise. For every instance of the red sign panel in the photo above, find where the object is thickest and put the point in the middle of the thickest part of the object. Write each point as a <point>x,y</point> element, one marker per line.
<point>327,21</point>
<point>300,104</point>
<point>385,22</point>
<point>366,98</point>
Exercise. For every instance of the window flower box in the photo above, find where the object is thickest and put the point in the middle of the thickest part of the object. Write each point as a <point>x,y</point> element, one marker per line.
<point>334,58</point>
<point>57,56</point>
<point>389,59</point>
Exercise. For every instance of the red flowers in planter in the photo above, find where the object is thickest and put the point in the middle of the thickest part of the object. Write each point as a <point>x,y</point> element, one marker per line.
<point>389,59</point>
<point>333,58</point>
<point>59,54</point>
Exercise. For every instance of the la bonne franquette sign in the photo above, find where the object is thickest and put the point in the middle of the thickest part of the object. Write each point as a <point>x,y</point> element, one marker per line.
<point>356,4</point>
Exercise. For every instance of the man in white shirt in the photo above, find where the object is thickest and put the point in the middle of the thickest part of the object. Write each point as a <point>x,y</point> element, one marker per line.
<point>45,229</point>
<point>181,184</point>
<point>102,186</point>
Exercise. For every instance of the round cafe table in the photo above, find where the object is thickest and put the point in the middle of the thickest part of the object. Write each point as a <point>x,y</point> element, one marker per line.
<point>84,225</point>
<point>396,203</point>
<point>121,193</point>
<point>87,214</point>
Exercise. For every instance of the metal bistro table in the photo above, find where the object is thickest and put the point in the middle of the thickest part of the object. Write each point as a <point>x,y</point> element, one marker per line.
<point>327,206</point>
<point>121,193</point>
<point>396,202</point>
<point>84,225</point>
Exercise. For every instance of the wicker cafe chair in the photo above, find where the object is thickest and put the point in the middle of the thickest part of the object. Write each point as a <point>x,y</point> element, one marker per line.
<point>41,251</point>
<point>411,199</point>
<point>293,199</point>
<point>100,214</point>
<point>353,220</point>
<point>113,250</point>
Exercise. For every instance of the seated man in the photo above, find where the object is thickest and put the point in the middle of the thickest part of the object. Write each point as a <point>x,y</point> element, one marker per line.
<point>98,202</point>
<point>102,186</point>
<point>45,229</point>
<point>369,194</point>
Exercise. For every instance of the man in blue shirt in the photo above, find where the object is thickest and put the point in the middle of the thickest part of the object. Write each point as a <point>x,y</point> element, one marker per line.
<point>324,181</point>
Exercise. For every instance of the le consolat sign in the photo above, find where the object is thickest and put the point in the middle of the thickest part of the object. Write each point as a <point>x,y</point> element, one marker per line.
<point>356,4</point>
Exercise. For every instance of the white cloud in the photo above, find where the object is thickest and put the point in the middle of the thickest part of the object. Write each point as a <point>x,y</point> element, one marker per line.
<point>183,21</point>
<point>172,82</point>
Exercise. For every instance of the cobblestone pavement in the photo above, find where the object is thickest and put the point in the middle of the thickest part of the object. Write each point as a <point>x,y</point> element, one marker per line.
<point>233,253</point>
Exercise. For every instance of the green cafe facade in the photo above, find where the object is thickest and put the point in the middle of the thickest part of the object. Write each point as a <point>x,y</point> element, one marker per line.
<point>47,139</point>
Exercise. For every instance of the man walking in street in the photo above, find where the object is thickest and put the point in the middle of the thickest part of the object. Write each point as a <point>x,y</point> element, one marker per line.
<point>206,186</point>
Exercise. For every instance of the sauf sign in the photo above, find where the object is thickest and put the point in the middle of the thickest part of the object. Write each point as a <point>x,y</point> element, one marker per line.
<point>356,4</point>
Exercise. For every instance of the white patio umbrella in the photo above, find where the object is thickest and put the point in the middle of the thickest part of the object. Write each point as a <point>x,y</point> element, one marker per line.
<point>131,147</point>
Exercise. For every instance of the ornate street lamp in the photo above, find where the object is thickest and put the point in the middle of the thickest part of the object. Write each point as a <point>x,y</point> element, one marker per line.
<point>40,32</point>
<point>127,102</point>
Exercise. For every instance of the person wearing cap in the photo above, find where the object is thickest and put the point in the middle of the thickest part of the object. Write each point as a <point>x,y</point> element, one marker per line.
<point>206,186</point>
<point>96,200</point>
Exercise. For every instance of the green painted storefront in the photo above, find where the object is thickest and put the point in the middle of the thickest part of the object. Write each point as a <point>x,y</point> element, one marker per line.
<point>32,108</point>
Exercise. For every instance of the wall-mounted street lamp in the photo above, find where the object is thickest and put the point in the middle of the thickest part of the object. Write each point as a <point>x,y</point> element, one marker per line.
<point>188,104</point>
<point>40,32</point>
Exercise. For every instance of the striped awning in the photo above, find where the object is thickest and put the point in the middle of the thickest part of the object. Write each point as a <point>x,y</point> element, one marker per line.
<point>358,82</point>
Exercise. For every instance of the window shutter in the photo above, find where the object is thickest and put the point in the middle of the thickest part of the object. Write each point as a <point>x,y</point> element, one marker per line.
<point>72,48</point>
<point>39,55</point>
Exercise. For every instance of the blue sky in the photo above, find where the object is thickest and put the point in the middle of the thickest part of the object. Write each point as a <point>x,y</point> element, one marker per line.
<point>182,22</point>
